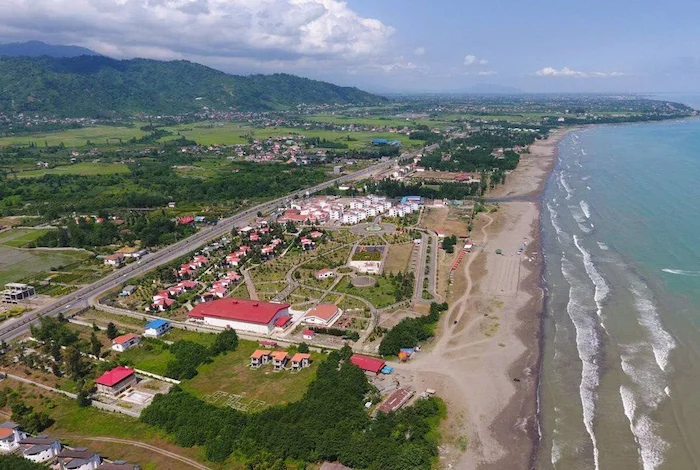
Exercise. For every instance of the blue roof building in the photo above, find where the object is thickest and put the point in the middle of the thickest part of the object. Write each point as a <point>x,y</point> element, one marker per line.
<point>380,141</point>
<point>156,328</point>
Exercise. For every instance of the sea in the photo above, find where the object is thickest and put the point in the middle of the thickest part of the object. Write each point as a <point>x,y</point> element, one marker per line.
<point>620,377</point>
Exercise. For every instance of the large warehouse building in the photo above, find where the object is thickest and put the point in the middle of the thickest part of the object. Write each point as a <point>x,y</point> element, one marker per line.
<point>240,314</point>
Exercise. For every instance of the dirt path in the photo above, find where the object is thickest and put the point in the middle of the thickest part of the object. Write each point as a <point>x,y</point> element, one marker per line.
<point>192,463</point>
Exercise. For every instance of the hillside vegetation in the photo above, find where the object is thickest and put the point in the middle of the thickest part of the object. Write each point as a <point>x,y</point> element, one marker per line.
<point>95,86</point>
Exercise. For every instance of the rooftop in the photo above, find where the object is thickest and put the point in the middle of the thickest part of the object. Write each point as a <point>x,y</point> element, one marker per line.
<point>155,324</point>
<point>114,376</point>
<point>244,310</point>
<point>323,311</point>
<point>366,363</point>
<point>124,338</point>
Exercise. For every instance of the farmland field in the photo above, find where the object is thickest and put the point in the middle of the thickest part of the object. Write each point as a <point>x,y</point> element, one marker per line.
<point>85,168</point>
<point>98,135</point>
<point>17,264</point>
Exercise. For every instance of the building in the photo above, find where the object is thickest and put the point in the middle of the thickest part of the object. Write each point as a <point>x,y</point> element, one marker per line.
<point>39,449</point>
<point>308,334</point>
<point>283,321</point>
<point>127,291</point>
<point>368,364</point>
<point>115,260</point>
<point>324,274</point>
<point>156,328</point>
<point>124,342</point>
<point>300,361</point>
<point>78,459</point>
<point>322,315</point>
<point>240,314</point>
<point>10,436</point>
<point>279,359</point>
<point>115,381</point>
<point>259,358</point>
<point>396,400</point>
<point>15,292</point>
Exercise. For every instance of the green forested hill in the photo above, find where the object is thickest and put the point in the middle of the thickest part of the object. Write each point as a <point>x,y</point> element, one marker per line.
<point>97,86</point>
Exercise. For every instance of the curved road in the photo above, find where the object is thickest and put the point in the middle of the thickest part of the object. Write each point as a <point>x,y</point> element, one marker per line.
<point>80,297</point>
<point>190,462</point>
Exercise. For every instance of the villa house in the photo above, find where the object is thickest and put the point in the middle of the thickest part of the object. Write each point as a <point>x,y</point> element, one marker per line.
<point>41,448</point>
<point>79,458</point>
<point>156,328</point>
<point>300,361</point>
<point>115,381</point>
<point>259,358</point>
<point>279,359</point>
<point>10,436</point>
<point>124,342</point>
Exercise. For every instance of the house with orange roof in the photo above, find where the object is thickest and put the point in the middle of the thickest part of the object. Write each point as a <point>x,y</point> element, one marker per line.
<point>279,359</point>
<point>10,435</point>
<point>260,357</point>
<point>124,342</point>
<point>300,361</point>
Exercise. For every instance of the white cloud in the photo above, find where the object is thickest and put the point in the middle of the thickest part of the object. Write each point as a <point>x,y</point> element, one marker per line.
<point>471,59</point>
<point>286,30</point>
<point>419,51</point>
<point>487,73</point>
<point>567,72</point>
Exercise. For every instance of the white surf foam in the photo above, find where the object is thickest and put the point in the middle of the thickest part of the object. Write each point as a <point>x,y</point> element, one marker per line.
<point>585,208</point>
<point>681,272</point>
<point>583,152</point>
<point>601,287</point>
<point>587,344</point>
<point>649,446</point>
<point>565,185</point>
<point>603,246</point>
<point>661,341</point>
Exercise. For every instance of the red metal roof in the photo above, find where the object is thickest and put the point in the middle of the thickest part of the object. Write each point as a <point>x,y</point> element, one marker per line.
<point>283,320</point>
<point>325,312</point>
<point>370,364</point>
<point>124,338</point>
<point>249,311</point>
<point>114,376</point>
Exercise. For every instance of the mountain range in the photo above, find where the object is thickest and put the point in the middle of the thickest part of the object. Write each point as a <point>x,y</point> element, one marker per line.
<point>98,86</point>
<point>38,49</point>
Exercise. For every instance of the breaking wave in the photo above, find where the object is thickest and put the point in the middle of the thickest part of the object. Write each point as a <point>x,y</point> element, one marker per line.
<point>681,272</point>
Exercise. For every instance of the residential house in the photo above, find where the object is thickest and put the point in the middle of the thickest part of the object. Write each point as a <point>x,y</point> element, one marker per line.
<point>39,449</point>
<point>162,304</point>
<point>115,381</point>
<point>156,328</point>
<point>259,358</point>
<point>127,291</point>
<point>300,361</point>
<point>115,260</point>
<point>78,459</point>
<point>279,359</point>
<point>124,342</point>
<point>308,334</point>
<point>10,436</point>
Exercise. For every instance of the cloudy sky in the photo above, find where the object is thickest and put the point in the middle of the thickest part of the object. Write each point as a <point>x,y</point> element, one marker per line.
<point>392,45</point>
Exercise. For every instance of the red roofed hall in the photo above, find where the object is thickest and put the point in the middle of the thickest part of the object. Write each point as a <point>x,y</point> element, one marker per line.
<point>116,380</point>
<point>240,314</point>
<point>368,364</point>
<point>322,314</point>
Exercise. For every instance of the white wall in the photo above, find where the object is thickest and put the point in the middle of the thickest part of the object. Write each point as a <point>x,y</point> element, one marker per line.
<point>244,326</point>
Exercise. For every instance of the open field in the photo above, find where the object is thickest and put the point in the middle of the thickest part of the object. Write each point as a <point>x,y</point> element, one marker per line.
<point>374,121</point>
<point>85,169</point>
<point>398,258</point>
<point>98,135</point>
<point>18,238</point>
<point>17,264</point>
<point>382,294</point>
<point>229,373</point>
<point>151,356</point>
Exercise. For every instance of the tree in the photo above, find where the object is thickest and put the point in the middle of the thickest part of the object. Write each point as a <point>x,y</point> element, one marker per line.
<point>112,331</point>
<point>225,341</point>
<point>303,348</point>
<point>95,345</point>
<point>77,367</point>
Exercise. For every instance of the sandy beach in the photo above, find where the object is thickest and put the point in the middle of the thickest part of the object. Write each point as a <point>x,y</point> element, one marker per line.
<point>484,361</point>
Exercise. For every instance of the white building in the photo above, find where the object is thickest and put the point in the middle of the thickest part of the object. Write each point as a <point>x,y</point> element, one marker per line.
<point>79,459</point>
<point>124,342</point>
<point>156,328</point>
<point>240,314</point>
<point>322,314</point>
<point>15,292</point>
<point>41,448</point>
<point>10,435</point>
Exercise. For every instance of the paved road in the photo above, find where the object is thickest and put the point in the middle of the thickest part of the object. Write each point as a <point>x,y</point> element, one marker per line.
<point>80,297</point>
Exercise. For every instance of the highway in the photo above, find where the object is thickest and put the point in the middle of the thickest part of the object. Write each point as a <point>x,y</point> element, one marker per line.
<point>80,297</point>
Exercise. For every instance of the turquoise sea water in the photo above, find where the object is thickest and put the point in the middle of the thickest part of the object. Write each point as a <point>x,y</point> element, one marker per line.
<point>621,237</point>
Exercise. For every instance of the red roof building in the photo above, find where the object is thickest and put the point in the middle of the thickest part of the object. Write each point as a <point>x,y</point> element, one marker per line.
<point>283,321</point>
<point>243,314</point>
<point>114,381</point>
<point>185,220</point>
<point>368,364</point>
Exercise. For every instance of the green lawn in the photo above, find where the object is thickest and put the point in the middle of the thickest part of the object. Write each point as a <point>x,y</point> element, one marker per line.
<point>98,135</point>
<point>151,356</point>
<point>382,294</point>
<point>19,238</point>
<point>85,169</point>
<point>16,264</point>
<point>230,373</point>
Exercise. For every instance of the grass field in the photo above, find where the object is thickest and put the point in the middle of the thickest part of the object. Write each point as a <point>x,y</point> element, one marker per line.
<point>18,238</point>
<point>382,294</point>
<point>17,264</point>
<point>230,373</point>
<point>85,169</point>
<point>151,356</point>
<point>398,258</point>
<point>98,135</point>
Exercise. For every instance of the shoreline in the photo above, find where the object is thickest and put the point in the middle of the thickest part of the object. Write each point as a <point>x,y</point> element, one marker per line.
<point>520,418</point>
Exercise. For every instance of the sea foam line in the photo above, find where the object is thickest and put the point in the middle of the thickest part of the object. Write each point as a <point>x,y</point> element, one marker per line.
<point>587,345</point>
<point>681,272</point>
<point>585,208</point>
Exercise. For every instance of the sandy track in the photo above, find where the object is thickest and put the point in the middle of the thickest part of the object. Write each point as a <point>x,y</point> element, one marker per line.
<point>192,463</point>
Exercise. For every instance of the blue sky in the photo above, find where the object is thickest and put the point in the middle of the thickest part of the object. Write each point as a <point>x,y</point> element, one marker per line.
<point>393,45</point>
